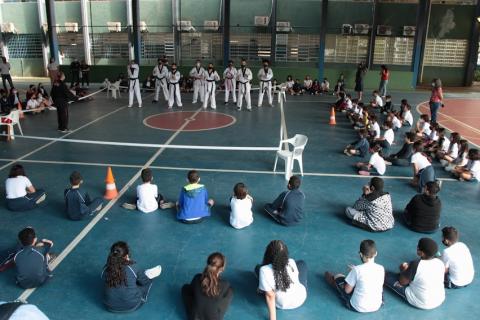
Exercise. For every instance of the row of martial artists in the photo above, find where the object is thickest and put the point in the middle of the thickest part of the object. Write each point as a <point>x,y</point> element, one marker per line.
<point>203,83</point>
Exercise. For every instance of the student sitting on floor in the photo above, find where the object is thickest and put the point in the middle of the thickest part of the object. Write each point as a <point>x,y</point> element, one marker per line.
<point>470,171</point>
<point>402,157</point>
<point>193,204</point>
<point>297,88</point>
<point>388,106</point>
<point>5,105</point>
<point>423,171</point>
<point>287,209</point>
<point>374,127</point>
<point>362,289</point>
<point>360,147</point>
<point>316,88</point>
<point>18,310</point>
<point>423,127</point>
<point>396,122</point>
<point>78,203</point>
<point>462,158</point>
<point>387,139</point>
<point>340,86</point>
<point>406,113</point>
<point>208,296</point>
<point>453,149</point>
<point>440,147</point>
<point>21,194</point>
<point>459,270</point>
<point>422,213</point>
<point>373,210</point>
<point>290,84</point>
<point>126,287</point>
<point>241,215</point>
<point>377,101</point>
<point>281,279</point>
<point>148,198</point>
<point>32,260</point>
<point>325,86</point>
<point>420,282</point>
<point>376,162</point>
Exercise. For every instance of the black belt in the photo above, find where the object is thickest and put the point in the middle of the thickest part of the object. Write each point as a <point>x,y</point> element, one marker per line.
<point>135,83</point>
<point>264,88</point>
<point>210,80</point>
<point>159,78</point>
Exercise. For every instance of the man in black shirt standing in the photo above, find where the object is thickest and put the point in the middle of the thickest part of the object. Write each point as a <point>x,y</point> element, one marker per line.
<point>75,69</point>
<point>61,95</point>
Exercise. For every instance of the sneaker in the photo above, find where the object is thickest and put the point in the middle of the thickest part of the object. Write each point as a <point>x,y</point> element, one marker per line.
<point>239,109</point>
<point>170,107</point>
<point>139,105</point>
<point>153,272</point>
<point>41,199</point>
<point>129,105</point>
<point>194,102</point>
<point>167,205</point>
<point>129,206</point>
<point>97,209</point>
<point>52,108</point>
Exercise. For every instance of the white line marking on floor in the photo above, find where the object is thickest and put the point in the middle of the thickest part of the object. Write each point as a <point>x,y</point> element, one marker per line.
<point>62,137</point>
<point>118,165</point>
<point>71,246</point>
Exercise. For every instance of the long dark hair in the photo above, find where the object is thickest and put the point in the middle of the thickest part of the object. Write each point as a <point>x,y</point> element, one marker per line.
<point>116,262</point>
<point>276,254</point>
<point>211,274</point>
<point>16,170</point>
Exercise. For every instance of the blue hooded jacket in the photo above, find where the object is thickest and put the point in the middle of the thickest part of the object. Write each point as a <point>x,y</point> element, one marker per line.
<point>193,202</point>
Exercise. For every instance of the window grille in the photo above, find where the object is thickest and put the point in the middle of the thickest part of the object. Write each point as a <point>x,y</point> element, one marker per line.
<point>253,47</point>
<point>297,47</point>
<point>198,45</point>
<point>156,45</point>
<point>346,49</point>
<point>27,45</point>
<point>445,52</point>
<point>71,45</point>
<point>393,50</point>
<point>110,45</point>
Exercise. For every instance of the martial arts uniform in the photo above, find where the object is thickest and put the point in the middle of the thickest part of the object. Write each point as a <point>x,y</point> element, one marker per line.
<point>134,84</point>
<point>265,77</point>
<point>230,76</point>
<point>197,73</point>
<point>174,87</point>
<point>210,78</point>
<point>160,72</point>
<point>244,76</point>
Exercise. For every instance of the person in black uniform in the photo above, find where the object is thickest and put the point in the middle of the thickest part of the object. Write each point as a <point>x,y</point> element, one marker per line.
<point>32,259</point>
<point>126,287</point>
<point>361,72</point>
<point>75,70</point>
<point>208,296</point>
<point>61,96</point>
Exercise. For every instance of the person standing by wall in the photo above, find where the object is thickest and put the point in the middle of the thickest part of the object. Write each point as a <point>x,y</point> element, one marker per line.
<point>436,99</point>
<point>384,77</point>
<point>85,73</point>
<point>52,70</point>
<point>5,71</point>
<point>61,96</point>
<point>75,70</point>
<point>361,72</point>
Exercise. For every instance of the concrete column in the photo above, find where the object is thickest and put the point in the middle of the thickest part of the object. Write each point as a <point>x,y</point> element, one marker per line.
<point>136,29</point>
<point>273,31</point>
<point>3,46</point>
<point>373,34</point>
<point>323,36</point>
<point>423,17</point>
<point>52,30</point>
<point>87,42</point>
<point>473,48</point>
<point>131,53</point>
<point>226,32</point>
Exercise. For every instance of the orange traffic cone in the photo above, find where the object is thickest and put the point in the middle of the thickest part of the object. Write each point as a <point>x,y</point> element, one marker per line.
<point>332,117</point>
<point>110,189</point>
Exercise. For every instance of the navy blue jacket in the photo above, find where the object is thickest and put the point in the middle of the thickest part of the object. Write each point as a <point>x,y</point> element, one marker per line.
<point>32,267</point>
<point>290,206</point>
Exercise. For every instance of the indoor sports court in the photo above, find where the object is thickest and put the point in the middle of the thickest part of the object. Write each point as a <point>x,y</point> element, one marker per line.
<point>226,145</point>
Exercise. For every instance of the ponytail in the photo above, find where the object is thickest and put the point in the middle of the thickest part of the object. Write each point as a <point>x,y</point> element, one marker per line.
<point>211,274</point>
<point>116,261</point>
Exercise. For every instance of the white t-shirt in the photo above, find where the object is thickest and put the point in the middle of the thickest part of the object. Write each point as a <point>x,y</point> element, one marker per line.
<point>17,187</point>
<point>458,260</point>
<point>32,104</point>
<point>389,135</point>
<point>368,280</point>
<point>408,117</point>
<point>241,215</point>
<point>295,295</point>
<point>147,195</point>
<point>474,168</point>
<point>378,163</point>
<point>433,135</point>
<point>379,101</point>
<point>420,160</point>
<point>27,311</point>
<point>454,151</point>
<point>376,128</point>
<point>396,123</point>
<point>445,145</point>
<point>426,291</point>
<point>290,84</point>
<point>426,128</point>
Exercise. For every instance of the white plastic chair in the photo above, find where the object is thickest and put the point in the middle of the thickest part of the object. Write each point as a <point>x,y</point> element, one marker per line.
<point>281,92</point>
<point>299,141</point>
<point>14,117</point>
<point>114,88</point>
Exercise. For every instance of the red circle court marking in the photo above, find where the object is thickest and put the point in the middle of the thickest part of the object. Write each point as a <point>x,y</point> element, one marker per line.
<point>459,115</point>
<point>204,120</point>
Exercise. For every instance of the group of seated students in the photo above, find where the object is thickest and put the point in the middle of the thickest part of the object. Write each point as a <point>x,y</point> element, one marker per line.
<point>424,141</point>
<point>309,86</point>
